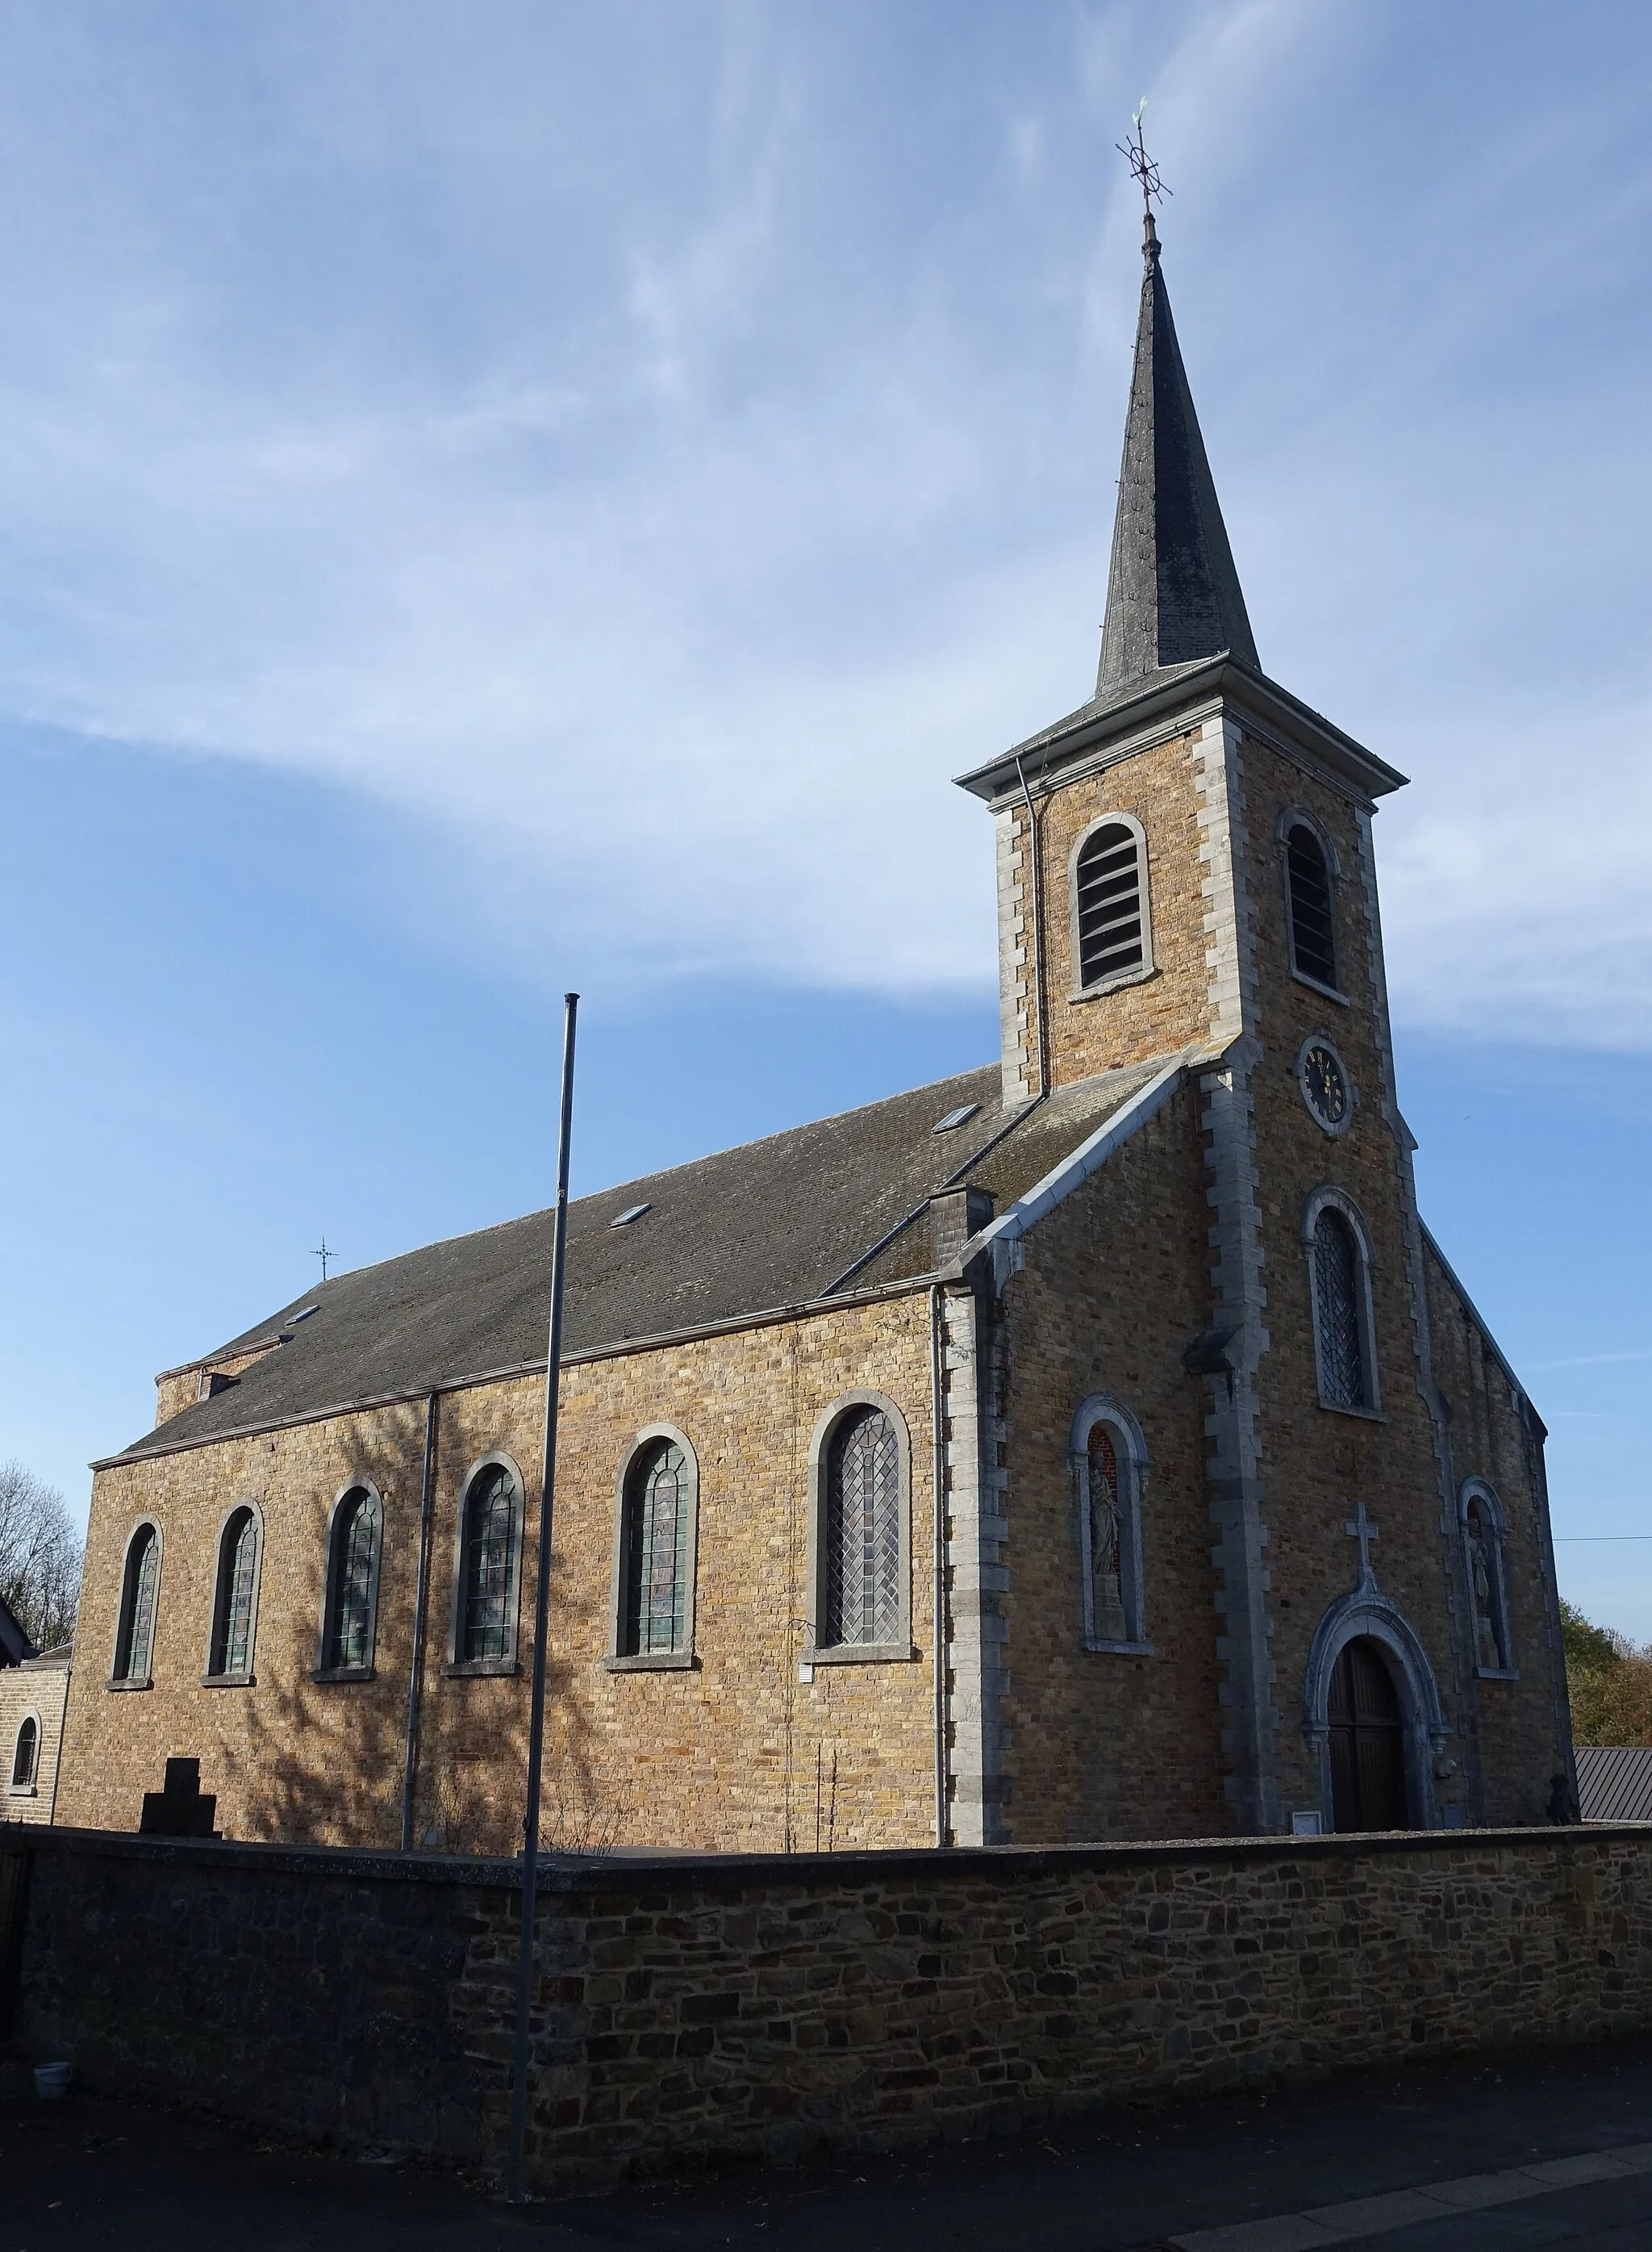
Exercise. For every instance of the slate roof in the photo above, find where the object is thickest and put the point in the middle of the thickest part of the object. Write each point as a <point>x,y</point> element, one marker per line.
<point>776,1223</point>
<point>1615,1782</point>
<point>1173,593</point>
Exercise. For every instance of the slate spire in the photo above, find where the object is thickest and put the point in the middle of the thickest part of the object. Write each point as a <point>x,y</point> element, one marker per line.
<point>1173,595</point>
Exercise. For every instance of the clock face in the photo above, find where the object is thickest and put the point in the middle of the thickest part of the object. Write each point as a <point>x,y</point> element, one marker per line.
<point>1324,1088</point>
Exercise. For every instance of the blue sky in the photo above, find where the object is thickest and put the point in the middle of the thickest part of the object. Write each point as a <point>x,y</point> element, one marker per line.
<point>500,497</point>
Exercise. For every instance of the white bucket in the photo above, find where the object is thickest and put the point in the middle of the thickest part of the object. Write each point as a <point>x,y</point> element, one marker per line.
<point>52,2081</point>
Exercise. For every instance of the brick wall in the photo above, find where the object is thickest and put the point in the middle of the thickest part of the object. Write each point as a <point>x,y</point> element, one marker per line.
<point>769,2005</point>
<point>733,1752</point>
<point>38,1688</point>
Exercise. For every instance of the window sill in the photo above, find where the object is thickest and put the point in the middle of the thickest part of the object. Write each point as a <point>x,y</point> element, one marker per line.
<point>23,1790</point>
<point>229,1680</point>
<point>860,1653</point>
<point>1340,1407</point>
<point>1119,1648</point>
<point>480,1669</point>
<point>1497,1673</point>
<point>343,1673</point>
<point>651,1661</point>
<point>1143,976</point>
<point>131,1681</point>
<point>1314,986</point>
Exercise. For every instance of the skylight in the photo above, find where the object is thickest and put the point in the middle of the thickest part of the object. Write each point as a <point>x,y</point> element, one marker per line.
<point>632,1212</point>
<point>954,1118</point>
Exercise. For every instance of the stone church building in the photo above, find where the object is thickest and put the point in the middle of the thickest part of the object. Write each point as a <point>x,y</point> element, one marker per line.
<point>1094,1445</point>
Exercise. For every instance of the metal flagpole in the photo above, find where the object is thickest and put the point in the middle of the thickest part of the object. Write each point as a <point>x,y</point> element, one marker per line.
<point>514,2192</point>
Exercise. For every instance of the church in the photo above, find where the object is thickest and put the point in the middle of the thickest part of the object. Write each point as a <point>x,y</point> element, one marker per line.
<point>1094,1445</point>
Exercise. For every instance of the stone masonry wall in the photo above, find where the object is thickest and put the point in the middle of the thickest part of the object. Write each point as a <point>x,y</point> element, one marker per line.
<point>733,1752</point>
<point>40,1690</point>
<point>767,2006</point>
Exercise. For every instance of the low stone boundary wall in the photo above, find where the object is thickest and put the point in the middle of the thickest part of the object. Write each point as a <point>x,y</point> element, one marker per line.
<point>768,2005</point>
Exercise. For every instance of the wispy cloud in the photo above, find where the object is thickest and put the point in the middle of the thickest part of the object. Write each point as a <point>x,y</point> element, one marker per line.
<point>654,447</point>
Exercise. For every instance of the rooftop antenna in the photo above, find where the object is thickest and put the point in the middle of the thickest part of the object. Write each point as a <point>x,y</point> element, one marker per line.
<point>323,1254</point>
<point>1144,169</point>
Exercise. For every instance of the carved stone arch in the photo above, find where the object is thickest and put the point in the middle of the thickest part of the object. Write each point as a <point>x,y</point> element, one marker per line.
<point>1138,972</point>
<point>1130,1450</point>
<point>1481,1491</point>
<point>1326,1196</point>
<point>1368,1614</point>
<point>1299,817</point>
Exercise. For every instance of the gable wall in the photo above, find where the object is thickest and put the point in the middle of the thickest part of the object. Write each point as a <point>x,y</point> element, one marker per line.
<point>723,1755</point>
<point>1103,1745</point>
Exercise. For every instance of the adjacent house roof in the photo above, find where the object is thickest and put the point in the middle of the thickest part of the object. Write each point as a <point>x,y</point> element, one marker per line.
<point>839,1206</point>
<point>15,1645</point>
<point>1615,1782</point>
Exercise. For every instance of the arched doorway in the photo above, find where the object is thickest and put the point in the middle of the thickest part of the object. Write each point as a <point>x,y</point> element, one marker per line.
<point>1367,1733</point>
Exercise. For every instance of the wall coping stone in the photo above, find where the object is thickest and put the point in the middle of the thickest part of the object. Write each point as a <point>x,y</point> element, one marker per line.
<point>631,1872</point>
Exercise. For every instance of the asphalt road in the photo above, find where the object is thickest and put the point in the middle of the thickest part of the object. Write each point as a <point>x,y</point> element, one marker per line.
<point>91,2175</point>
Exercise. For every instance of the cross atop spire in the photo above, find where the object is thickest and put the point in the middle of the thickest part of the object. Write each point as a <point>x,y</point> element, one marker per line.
<point>1173,593</point>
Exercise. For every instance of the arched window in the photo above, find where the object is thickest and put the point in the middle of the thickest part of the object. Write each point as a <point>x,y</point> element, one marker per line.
<point>1109,1462</point>
<point>489,1566</point>
<point>235,1606</point>
<point>140,1586</point>
<point>352,1582</point>
<point>1112,933</point>
<point>1308,890</point>
<point>1483,1559</point>
<point>25,1757</point>
<point>1339,1287</point>
<point>656,1545</point>
<point>859,1595</point>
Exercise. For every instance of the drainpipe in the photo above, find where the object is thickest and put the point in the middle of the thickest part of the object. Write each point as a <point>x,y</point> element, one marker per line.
<point>940,1478</point>
<point>415,1678</point>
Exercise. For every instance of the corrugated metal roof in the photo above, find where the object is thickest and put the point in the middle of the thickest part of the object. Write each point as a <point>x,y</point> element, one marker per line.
<point>1615,1782</point>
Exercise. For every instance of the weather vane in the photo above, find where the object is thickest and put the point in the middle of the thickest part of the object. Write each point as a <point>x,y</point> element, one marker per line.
<point>323,1254</point>
<point>1142,165</point>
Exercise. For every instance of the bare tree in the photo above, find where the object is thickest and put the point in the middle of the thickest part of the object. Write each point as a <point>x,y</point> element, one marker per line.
<point>39,1557</point>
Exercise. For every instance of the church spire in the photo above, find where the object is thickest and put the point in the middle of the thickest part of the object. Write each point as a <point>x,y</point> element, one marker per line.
<point>1173,595</point>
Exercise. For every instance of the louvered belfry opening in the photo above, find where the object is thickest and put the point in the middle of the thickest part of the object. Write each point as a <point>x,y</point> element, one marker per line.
<point>1109,904</point>
<point>1336,1291</point>
<point>863,1531</point>
<point>1367,1743</point>
<point>1313,935</point>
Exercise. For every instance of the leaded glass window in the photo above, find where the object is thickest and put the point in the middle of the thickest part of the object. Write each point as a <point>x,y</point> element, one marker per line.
<point>27,1754</point>
<point>355,1567</point>
<point>1108,888</point>
<point>656,1553</point>
<point>862,1579</point>
<point>237,1578</point>
<point>1313,932</point>
<point>134,1647</point>
<point>487,1625</point>
<point>1338,1300</point>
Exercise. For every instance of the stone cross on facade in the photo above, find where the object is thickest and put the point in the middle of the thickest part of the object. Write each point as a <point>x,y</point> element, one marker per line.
<point>1359,1527</point>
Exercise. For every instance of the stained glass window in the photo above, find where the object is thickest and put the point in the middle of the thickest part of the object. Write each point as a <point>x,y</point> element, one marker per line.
<point>1485,1586</point>
<point>1109,1623</point>
<point>237,1572</point>
<point>862,1576</point>
<point>355,1564</point>
<point>136,1642</point>
<point>1337,1295</point>
<point>1109,904</point>
<point>27,1752</point>
<point>656,1553</point>
<point>490,1565</point>
<point>1313,935</point>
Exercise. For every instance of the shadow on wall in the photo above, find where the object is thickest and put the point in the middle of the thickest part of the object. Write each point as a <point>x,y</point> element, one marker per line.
<point>323,1762</point>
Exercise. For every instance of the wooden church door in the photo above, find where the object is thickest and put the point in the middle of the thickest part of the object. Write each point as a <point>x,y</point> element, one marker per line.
<point>1367,1743</point>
